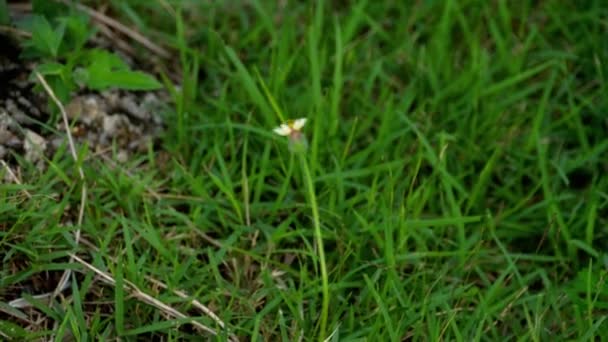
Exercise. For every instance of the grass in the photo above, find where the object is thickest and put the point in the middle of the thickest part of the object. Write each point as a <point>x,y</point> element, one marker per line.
<point>457,154</point>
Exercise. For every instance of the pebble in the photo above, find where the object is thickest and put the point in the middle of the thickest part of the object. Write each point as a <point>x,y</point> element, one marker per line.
<point>128,104</point>
<point>127,121</point>
<point>34,146</point>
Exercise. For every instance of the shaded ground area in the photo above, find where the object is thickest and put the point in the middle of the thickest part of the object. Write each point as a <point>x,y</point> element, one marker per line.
<point>115,126</point>
<point>113,122</point>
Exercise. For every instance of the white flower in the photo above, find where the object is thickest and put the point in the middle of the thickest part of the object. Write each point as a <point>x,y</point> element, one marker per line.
<point>290,127</point>
<point>292,130</point>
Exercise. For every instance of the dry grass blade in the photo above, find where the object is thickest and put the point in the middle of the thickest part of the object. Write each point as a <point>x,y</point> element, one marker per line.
<point>15,178</point>
<point>197,304</point>
<point>15,32</point>
<point>193,301</point>
<point>22,303</point>
<point>102,18</point>
<point>146,298</point>
<point>120,44</point>
<point>83,195</point>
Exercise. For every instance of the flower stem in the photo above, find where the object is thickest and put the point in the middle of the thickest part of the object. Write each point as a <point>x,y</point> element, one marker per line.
<point>317,225</point>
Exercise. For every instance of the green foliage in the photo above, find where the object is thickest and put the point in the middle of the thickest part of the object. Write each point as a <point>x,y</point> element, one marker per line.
<point>59,42</point>
<point>457,157</point>
<point>103,70</point>
<point>60,38</point>
<point>49,9</point>
<point>4,13</point>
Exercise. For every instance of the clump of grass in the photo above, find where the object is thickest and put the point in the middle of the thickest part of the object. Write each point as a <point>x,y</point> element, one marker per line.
<point>455,158</point>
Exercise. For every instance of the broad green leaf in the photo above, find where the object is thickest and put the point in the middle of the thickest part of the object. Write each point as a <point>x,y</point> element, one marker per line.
<point>131,80</point>
<point>104,60</point>
<point>109,71</point>
<point>49,9</point>
<point>78,32</point>
<point>51,68</point>
<point>45,39</point>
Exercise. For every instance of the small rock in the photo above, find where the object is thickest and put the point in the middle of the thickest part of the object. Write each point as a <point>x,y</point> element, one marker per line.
<point>16,113</point>
<point>92,111</point>
<point>122,156</point>
<point>6,136</point>
<point>34,147</point>
<point>140,145</point>
<point>92,137</point>
<point>87,110</point>
<point>74,108</point>
<point>25,103</point>
<point>56,142</point>
<point>153,105</point>
<point>128,104</point>
<point>111,97</point>
<point>114,125</point>
<point>6,120</point>
<point>150,101</point>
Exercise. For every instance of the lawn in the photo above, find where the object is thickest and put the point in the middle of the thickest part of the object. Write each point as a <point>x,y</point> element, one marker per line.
<point>451,185</point>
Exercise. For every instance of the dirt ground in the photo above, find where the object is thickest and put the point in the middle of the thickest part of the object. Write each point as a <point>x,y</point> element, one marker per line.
<point>115,123</point>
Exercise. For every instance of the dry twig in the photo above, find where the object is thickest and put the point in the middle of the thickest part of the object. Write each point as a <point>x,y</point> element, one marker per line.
<point>197,304</point>
<point>83,195</point>
<point>146,298</point>
<point>104,19</point>
<point>14,177</point>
